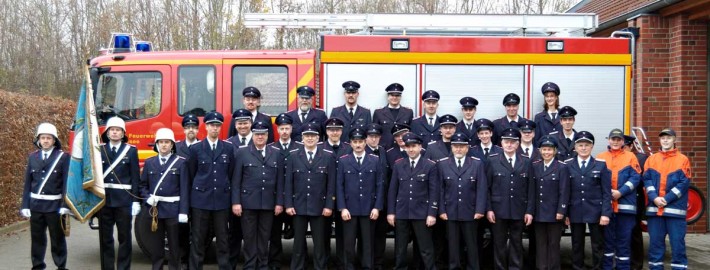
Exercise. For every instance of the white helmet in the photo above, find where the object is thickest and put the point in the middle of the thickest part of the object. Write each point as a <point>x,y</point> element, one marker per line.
<point>49,129</point>
<point>116,122</point>
<point>164,134</point>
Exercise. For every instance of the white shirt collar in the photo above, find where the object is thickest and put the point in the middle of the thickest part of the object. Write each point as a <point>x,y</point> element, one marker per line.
<point>347,108</point>
<point>390,106</point>
<point>248,137</point>
<point>489,146</point>
<point>548,164</point>
<point>166,157</point>
<point>47,152</point>
<point>469,123</point>
<point>551,112</point>
<point>507,158</point>
<point>284,143</point>
<point>191,143</point>
<point>433,117</point>
<point>571,136</point>
<point>463,160</point>
<point>516,119</point>
<point>356,156</point>
<point>416,161</point>
<point>338,144</point>
<point>118,145</point>
<point>579,161</point>
<point>213,144</point>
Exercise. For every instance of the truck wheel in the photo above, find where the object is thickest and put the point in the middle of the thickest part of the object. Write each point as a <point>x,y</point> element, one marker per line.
<point>141,228</point>
<point>696,205</point>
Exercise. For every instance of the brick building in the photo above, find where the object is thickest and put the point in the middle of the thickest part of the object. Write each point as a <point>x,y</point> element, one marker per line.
<point>671,71</point>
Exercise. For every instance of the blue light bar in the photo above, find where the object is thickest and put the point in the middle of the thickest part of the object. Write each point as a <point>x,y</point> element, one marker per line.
<point>143,46</point>
<point>122,41</point>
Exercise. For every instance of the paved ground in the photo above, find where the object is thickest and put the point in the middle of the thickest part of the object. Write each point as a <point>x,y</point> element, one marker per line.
<point>84,252</point>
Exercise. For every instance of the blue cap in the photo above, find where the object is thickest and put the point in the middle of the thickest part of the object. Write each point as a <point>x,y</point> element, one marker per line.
<point>214,117</point>
<point>547,140</point>
<point>526,125</point>
<point>511,134</point>
<point>399,128</point>
<point>567,112</point>
<point>483,123</point>
<point>251,91</point>
<point>468,102</point>
<point>284,119</point>
<point>310,128</point>
<point>616,133</point>
<point>374,129</point>
<point>411,138</point>
<point>583,136</point>
<point>260,127</point>
<point>334,122</point>
<point>511,99</point>
<point>550,87</point>
<point>190,120</point>
<point>351,86</point>
<point>357,133</point>
<point>241,114</point>
<point>430,95</point>
<point>459,138</point>
<point>306,91</point>
<point>394,89</point>
<point>667,131</point>
<point>448,119</point>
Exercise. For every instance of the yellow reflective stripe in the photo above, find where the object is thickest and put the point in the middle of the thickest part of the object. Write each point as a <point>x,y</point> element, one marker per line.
<point>477,58</point>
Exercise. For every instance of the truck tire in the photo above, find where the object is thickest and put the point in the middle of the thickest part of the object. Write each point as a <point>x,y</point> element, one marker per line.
<point>696,205</point>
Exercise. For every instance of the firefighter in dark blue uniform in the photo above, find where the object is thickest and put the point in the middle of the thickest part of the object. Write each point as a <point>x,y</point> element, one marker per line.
<point>398,149</point>
<point>528,137</point>
<point>164,185</point>
<point>637,254</point>
<point>190,126</point>
<point>251,99</point>
<point>551,180</point>
<point>121,178</point>
<point>352,114</point>
<point>590,200</point>
<point>565,137</point>
<point>333,130</point>
<point>306,113</point>
<point>242,127</point>
<point>548,120</point>
<point>360,198</point>
<point>463,201</point>
<point>442,148</point>
<point>374,134</point>
<point>43,197</point>
<point>281,221</point>
<point>482,150</point>
<point>210,168</point>
<point>427,125</point>
<point>381,227</point>
<point>413,202</point>
<point>510,120</point>
<point>310,196</point>
<point>393,113</point>
<point>257,188</point>
<point>510,201</point>
<point>467,125</point>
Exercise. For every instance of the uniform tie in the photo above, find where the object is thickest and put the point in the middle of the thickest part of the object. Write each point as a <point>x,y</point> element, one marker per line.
<point>45,156</point>
<point>376,151</point>
<point>285,146</point>
<point>584,165</point>
<point>162,161</point>
<point>352,113</point>
<point>459,161</point>
<point>545,169</point>
<point>527,153</point>
<point>485,151</point>
<point>244,140</point>
<point>510,160</point>
<point>359,160</point>
<point>554,115</point>
<point>113,149</point>
<point>214,146</point>
<point>569,141</point>
<point>431,121</point>
<point>303,117</point>
<point>261,152</point>
<point>468,126</point>
<point>412,165</point>
<point>310,156</point>
<point>336,147</point>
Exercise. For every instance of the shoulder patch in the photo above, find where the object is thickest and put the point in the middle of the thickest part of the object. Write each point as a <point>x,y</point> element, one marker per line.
<point>346,143</point>
<point>319,143</point>
<point>265,114</point>
<point>415,118</point>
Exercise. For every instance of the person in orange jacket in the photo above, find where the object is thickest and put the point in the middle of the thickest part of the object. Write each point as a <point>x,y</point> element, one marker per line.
<point>625,177</point>
<point>666,179</point>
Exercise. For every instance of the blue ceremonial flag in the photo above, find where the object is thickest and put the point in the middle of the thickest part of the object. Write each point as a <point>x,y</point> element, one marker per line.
<point>85,193</point>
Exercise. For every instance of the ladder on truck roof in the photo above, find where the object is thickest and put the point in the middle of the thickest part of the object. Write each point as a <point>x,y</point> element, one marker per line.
<point>576,24</point>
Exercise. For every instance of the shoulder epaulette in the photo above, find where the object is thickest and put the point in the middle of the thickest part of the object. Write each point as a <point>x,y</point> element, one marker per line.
<point>243,146</point>
<point>495,146</point>
<point>346,143</point>
<point>326,150</point>
<point>294,150</point>
<point>537,161</point>
<point>318,109</point>
<point>319,143</point>
<point>389,149</point>
<point>475,158</point>
<point>270,144</point>
<point>343,156</point>
<point>554,132</point>
<point>432,142</point>
<point>180,157</point>
<point>274,147</point>
<point>442,159</point>
<point>568,160</point>
<point>301,143</point>
<point>433,162</point>
<point>493,155</point>
<point>229,142</point>
<point>560,161</point>
<point>265,114</point>
<point>398,160</point>
<point>374,155</point>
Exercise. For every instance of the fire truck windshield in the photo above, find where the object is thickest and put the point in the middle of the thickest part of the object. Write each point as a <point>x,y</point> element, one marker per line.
<point>129,95</point>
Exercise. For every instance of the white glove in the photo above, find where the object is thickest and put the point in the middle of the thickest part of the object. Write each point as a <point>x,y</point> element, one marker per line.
<point>136,208</point>
<point>152,201</point>
<point>25,213</point>
<point>182,218</point>
<point>65,211</point>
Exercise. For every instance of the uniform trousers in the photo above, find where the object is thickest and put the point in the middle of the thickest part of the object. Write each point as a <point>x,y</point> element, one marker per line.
<point>317,224</point>
<point>380,241</point>
<point>275,245</point>
<point>596,236</point>
<point>235,240</point>
<point>547,245</point>
<point>202,221</point>
<point>466,233</point>
<point>508,243</point>
<point>422,236</point>
<point>256,226</point>
<point>617,241</point>
<point>121,218</point>
<point>658,228</point>
<point>155,241</point>
<point>363,227</point>
<point>39,224</point>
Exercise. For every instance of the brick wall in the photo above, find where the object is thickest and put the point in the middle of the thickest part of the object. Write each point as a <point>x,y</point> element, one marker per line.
<point>671,87</point>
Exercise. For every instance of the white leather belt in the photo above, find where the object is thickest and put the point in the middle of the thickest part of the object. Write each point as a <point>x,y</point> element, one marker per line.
<point>45,197</point>
<point>117,186</point>
<point>167,198</point>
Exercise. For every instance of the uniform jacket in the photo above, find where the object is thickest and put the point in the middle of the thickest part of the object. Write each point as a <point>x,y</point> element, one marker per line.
<point>315,115</point>
<point>211,175</point>
<point>625,177</point>
<point>360,188</point>
<point>395,153</point>
<point>472,135</point>
<point>551,190</point>
<point>175,184</point>
<point>667,175</point>
<point>258,181</point>
<point>478,152</point>
<point>544,125</point>
<point>421,127</point>
<point>534,153</point>
<point>362,119</point>
<point>386,119</point>
<point>125,175</point>
<point>414,193</point>
<point>237,142</point>
<point>310,187</point>
<point>55,183</point>
<point>182,149</point>
<point>344,148</point>
<point>511,189</point>
<point>501,124</point>
<point>565,150</point>
<point>438,150</point>
<point>463,191</point>
<point>260,117</point>
<point>590,191</point>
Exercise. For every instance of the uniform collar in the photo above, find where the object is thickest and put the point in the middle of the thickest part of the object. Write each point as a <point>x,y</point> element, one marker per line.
<point>416,160</point>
